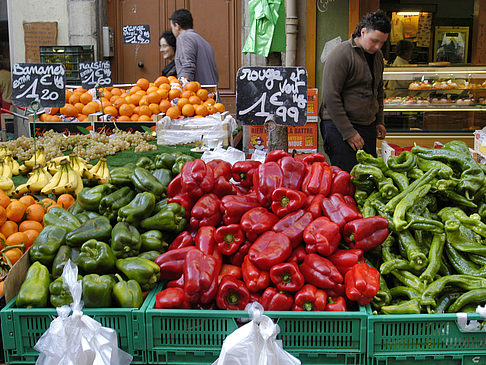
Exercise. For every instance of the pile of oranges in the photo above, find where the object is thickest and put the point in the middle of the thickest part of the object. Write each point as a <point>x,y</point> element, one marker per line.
<point>140,102</point>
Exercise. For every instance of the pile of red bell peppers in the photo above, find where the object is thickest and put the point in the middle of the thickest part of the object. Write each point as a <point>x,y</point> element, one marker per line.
<point>286,233</point>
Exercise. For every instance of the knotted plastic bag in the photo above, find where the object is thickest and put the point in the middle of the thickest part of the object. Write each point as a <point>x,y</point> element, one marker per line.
<point>255,343</point>
<point>78,339</point>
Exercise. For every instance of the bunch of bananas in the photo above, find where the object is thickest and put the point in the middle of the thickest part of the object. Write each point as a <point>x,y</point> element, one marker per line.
<point>99,173</point>
<point>39,178</point>
<point>7,185</point>
<point>12,163</point>
<point>65,180</point>
<point>5,169</point>
<point>38,158</point>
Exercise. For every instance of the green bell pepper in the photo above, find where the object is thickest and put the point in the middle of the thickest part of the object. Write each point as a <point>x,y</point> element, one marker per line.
<point>121,176</point>
<point>145,162</point>
<point>127,294</point>
<point>172,217</point>
<point>97,290</point>
<point>164,176</point>
<point>57,216</point>
<point>153,240</point>
<point>58,295</point>
<point>139,208</point>
<point>89,198</point>
<point>180,162</point>
<point>75,208</point>
<point>63,255</point>
<point>98,228</point>
<point>96,257</point>
<point>47,243</point>
<point>150,255</point>
<point>34,291</point>
<point>125,240</point>
<point>110,204</point>
<point>143,180</point>
<point>164,160</point>
<point>86,215</point>
<point>159,205</point>
<point>144,271</point>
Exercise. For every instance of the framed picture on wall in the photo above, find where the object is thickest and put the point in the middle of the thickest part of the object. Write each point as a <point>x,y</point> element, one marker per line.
<point>450,44</point>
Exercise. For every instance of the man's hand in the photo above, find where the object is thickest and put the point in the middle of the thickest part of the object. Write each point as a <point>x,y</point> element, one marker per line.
<point>380,131</point>
<point>356,142</point>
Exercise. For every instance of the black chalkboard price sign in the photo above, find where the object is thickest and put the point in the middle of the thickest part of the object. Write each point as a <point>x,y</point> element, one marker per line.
<point>136,34</point>
<point>95,74</point>
<point>278,93</point>
<point>43,82</point>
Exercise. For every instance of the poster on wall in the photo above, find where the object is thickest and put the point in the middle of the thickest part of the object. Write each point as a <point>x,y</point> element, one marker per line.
<point>38,34</point>
<point>451,44</point>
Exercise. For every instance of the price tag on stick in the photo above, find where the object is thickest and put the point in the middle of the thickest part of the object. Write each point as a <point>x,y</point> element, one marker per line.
<point>265,91</point>
<point>95,74</point>
<point>42,82</point>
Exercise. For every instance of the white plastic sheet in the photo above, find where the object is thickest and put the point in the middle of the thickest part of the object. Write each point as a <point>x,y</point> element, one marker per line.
<point>78,339</point>
<point>255,343</point>
<point>229,154</point>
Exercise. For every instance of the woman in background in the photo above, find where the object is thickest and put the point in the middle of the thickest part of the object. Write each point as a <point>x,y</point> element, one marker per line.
<point>167,44</point>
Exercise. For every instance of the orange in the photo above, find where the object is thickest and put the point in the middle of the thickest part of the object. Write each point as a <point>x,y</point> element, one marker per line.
<point>152,89</point>
<point>13,255</point>
<point>161,80</point>
<point>27,200</point>
<point>136,108</point>
<point>80,90</point>
<point>154,97</point>
<point>173,79</point>
<point>66,200</point>
<point>173,112</point>
<point>74,98</point>
<point>68,93</point>
<point>124,95</point>
<point>211,109</point>
<point>187,94</point>
<point>141,92</point>
<point>17,238</point>
<point>123,118</point>
<point>154,108</point>
<point>126,110</point>
<point>164,94</point>
<point>26,225</point>
<point>82,117</point>
<point>89,109</point>
<point>201,110</point>
<point>79,107</point>
<point>3,215</point>
<point>119,102</point>
<point>32,235</point>
<point>195,100</point>
<point>16,211</point>
<point>46,202</point>
<point>134,89</point>
<point>134,117</point>
<point>181,102</point>
<point>44,116</point>
<point>220,107</point>
<point>188,110</point>
<point>143,101</point>
<point>134,99</point>
<point>144,118</point>
<point>174,93</point>
<point>109,109</point>
<point>53,119</point>
<point>192,86</point>
<point>116,91</point>
<point>35,212</point>
<point>95,105</point>
<point>165,87</point>
<point>8,228</point>
<point>4,199</point>
<point>143,83</point>
<point>106,94</point>
<point>53,205</point>
<point>202,94</point>
<point>85,98</point>
<point>145,110</point>
<point>164,105</point>
<point>54,111</point>
<point>209,101</point>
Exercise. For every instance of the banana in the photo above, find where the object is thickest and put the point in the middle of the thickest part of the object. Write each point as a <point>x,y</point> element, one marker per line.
<point>5,169</point>
<point>6,183</point>
<point>104,173</point>
<point>61,189</point>
<point>10,191</point>
<point>24,169</point>
<point>52,167</point>
<point>35,158</point>
<point>74,180</point>
<point>3,151</point>
<point>21,190</point>
<point>58,160</point>
<point>14,165</point>
<point>39,180</point>
<point>59,179</point>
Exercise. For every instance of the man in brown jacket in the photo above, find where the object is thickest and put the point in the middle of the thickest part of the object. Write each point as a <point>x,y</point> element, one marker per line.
<point>352,93</point>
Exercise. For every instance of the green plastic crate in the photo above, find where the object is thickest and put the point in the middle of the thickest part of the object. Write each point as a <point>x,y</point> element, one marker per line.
<point>70,57</point>
<point>195,337</point>
<point>22,328</point>
<point>424,339</point>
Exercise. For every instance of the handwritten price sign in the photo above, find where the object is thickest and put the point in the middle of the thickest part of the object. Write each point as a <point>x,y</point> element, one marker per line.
<point>276,92</point>
<point>95,74</point>
<point>136,34</point>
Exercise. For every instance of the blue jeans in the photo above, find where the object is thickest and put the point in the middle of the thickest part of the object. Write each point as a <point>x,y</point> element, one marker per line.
<point>340,152</point>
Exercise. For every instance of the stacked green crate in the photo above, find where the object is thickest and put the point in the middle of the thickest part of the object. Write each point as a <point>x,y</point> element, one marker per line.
<point>70,57</point>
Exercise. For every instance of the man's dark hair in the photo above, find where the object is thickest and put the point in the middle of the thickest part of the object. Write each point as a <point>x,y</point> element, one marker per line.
<point>374,21</point>
<point>183,17</point>
<point>403,47</point>
<point>169,38</point>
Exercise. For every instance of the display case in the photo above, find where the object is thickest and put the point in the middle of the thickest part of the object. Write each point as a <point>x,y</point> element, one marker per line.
<point>435,99</point>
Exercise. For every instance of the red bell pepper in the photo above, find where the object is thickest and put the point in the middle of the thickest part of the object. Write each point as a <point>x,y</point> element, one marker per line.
<point>315,157</point>
<point>231,270</point>
<point>204,240</point>
<point>266,179</point>
<point>273,300</point>
<point>255,297</point>
<point>337,290</point>
<point>172,263</point>
<point>287,276</point>
<point>242,171</point>
<point>293,225</point>
<point>185,201</point>
<point>179,283</point>
<point>366,233</point>
<point>209,295</point>
<point>254,278</point>
<point>238,256</point>
<point>220,168</point>
<point>298,255</point>
<point>318,179</point>
<point>175,186</point>
<point>344,260</point>
<point>321,236</point>
<point>349,200</point>
<point>293,172</point>
<point>229,238</point>
<point>223,187</point>
<point>199,274</point>
<point>320,272</point>
<point>285,201</point>
<point>336,304</point>
<point>197,178</point>
<point>206,211</point>
<point>183,239</point>
<point>341,182</point>
<point>313,205</point>
<point>276,155</point>
<point>232,294</point>
<point>335,208</point>
<point>256,221</point>
<point>269,249</point>
<point>171,298</point>
<point>309,298</point>
<point>219,259</point>
<point>362,283</point>
<point>234,206</point>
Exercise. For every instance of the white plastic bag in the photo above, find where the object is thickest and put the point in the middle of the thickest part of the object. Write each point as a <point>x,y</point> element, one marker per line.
<point>229,154</point>
<point>255,343</point>
<point>78,339</point>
